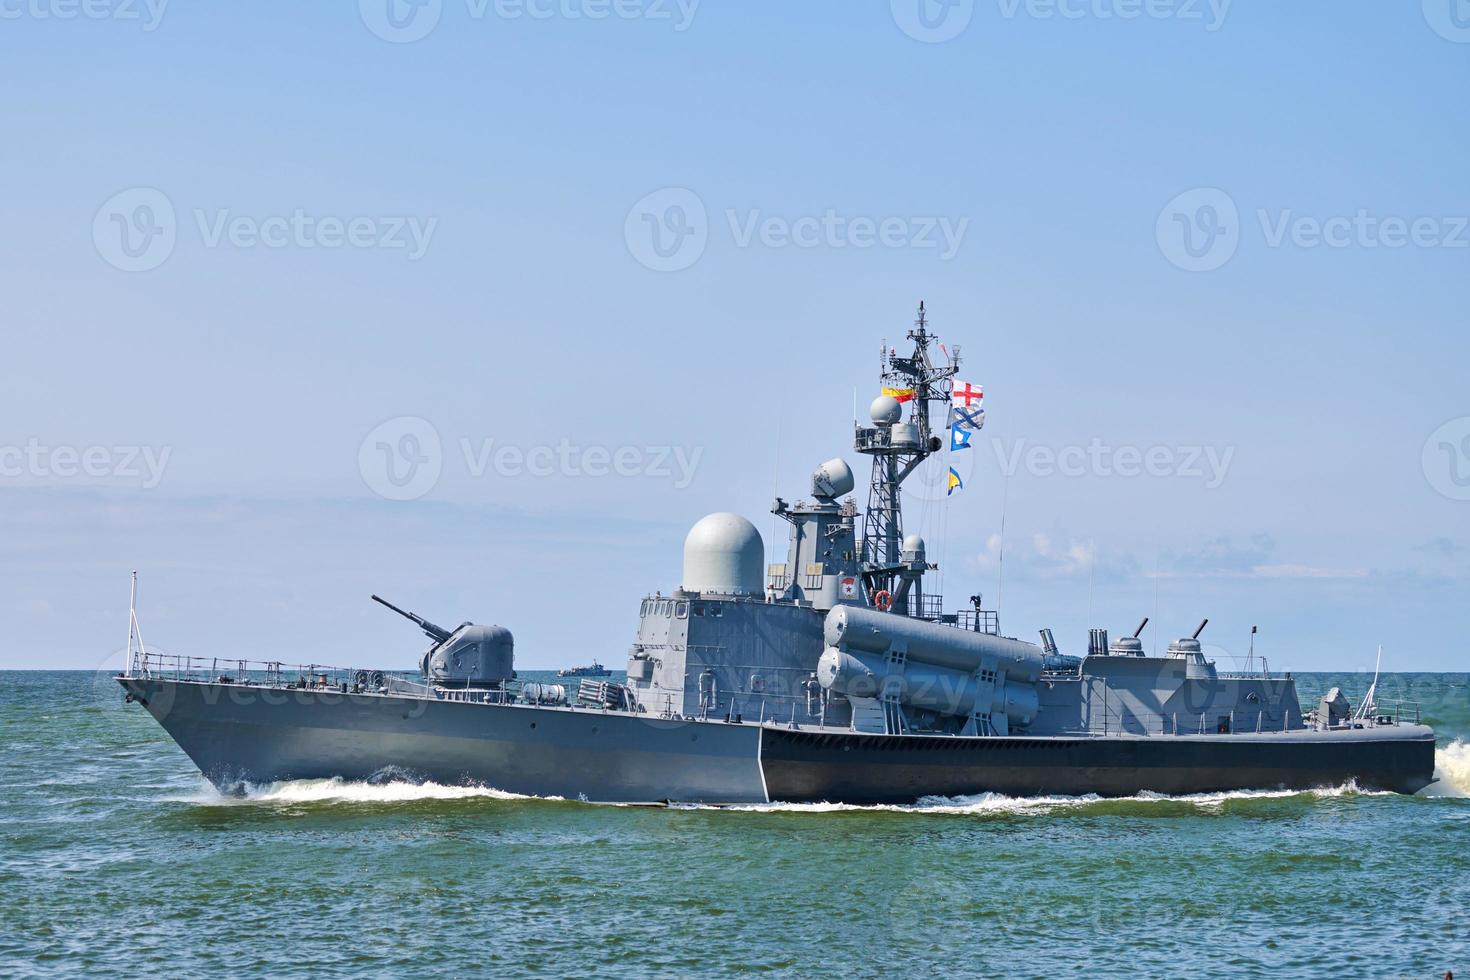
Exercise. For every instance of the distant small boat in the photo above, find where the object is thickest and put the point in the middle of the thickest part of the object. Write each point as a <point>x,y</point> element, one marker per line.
<point>594,669</point>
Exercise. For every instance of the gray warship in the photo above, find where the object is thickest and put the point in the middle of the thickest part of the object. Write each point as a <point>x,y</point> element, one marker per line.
<point>834,676</point>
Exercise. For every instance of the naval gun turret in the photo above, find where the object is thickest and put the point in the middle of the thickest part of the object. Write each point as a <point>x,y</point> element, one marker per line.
<point>468,656</point>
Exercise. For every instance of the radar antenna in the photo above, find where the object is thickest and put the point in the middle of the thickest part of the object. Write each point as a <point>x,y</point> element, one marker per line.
<point>898,447</point>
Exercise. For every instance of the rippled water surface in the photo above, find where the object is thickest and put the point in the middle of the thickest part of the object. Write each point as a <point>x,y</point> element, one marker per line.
<point>118,859</point>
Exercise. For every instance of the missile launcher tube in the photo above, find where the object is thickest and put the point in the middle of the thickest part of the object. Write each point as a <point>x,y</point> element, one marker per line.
<point>949,692</point>
<point>859,630</point>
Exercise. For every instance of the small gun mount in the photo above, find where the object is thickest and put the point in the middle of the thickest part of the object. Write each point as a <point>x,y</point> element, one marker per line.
<point>436,633</point>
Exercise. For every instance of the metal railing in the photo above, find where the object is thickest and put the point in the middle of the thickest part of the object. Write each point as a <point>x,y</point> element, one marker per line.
<point>308,677</point>
<point>270,673</point>
<point>1395,713</point>
<point>1102,719</point>
<point>978,621</point>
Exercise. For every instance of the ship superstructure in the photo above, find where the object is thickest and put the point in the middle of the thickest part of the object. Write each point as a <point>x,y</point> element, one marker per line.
<point>834,675</point>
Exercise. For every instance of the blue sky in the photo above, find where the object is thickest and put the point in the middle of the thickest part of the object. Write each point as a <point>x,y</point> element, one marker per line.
<point>243,243</point>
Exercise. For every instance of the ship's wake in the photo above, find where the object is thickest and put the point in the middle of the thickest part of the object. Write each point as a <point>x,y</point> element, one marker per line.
<point>337,790</point>
<point>998,804</point>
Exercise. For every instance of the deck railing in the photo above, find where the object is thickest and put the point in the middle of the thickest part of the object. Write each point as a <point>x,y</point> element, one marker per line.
<point>270,673</point>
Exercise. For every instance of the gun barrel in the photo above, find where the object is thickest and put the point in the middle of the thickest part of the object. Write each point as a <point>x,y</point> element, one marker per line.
<point>436,633</point>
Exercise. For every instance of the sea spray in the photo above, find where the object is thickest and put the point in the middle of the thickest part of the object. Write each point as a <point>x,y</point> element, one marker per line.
<point>1452,770</point>
<point>336,790</point>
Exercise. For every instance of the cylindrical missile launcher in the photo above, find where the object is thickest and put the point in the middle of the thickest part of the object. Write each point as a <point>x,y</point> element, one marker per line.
<point>937,689</point>
<point>930,667</point>
<point>857,629</point>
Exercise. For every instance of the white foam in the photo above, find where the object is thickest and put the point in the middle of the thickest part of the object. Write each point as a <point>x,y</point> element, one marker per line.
<point>1452,769</point>
<point>985,804</point>
<point>337,790</point>
<point>1454,758</point>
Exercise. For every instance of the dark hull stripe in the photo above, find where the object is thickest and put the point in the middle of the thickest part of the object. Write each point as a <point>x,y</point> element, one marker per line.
<point>811,767</point>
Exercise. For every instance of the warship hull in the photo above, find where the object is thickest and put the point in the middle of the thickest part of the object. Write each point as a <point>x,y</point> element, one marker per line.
<point>240,734</point>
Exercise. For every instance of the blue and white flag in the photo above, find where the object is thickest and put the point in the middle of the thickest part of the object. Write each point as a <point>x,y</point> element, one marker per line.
<point>967,418</point>
<point>959,438</point>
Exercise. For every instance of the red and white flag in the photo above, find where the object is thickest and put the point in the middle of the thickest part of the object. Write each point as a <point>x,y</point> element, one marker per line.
<point>966,395</point>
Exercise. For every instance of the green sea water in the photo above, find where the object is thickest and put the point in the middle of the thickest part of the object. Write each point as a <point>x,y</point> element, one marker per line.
<point>117,859</point>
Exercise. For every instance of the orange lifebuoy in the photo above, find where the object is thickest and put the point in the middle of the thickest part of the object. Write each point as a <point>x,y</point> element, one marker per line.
<point>883,599</point>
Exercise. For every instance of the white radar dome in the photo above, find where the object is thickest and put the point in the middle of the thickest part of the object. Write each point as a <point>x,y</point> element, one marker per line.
<point>832,479</point>
<point>885,410</point>
<point>724,554</point>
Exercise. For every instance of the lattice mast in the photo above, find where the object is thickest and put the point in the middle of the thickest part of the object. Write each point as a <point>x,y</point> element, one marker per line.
<point>898,448</point>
